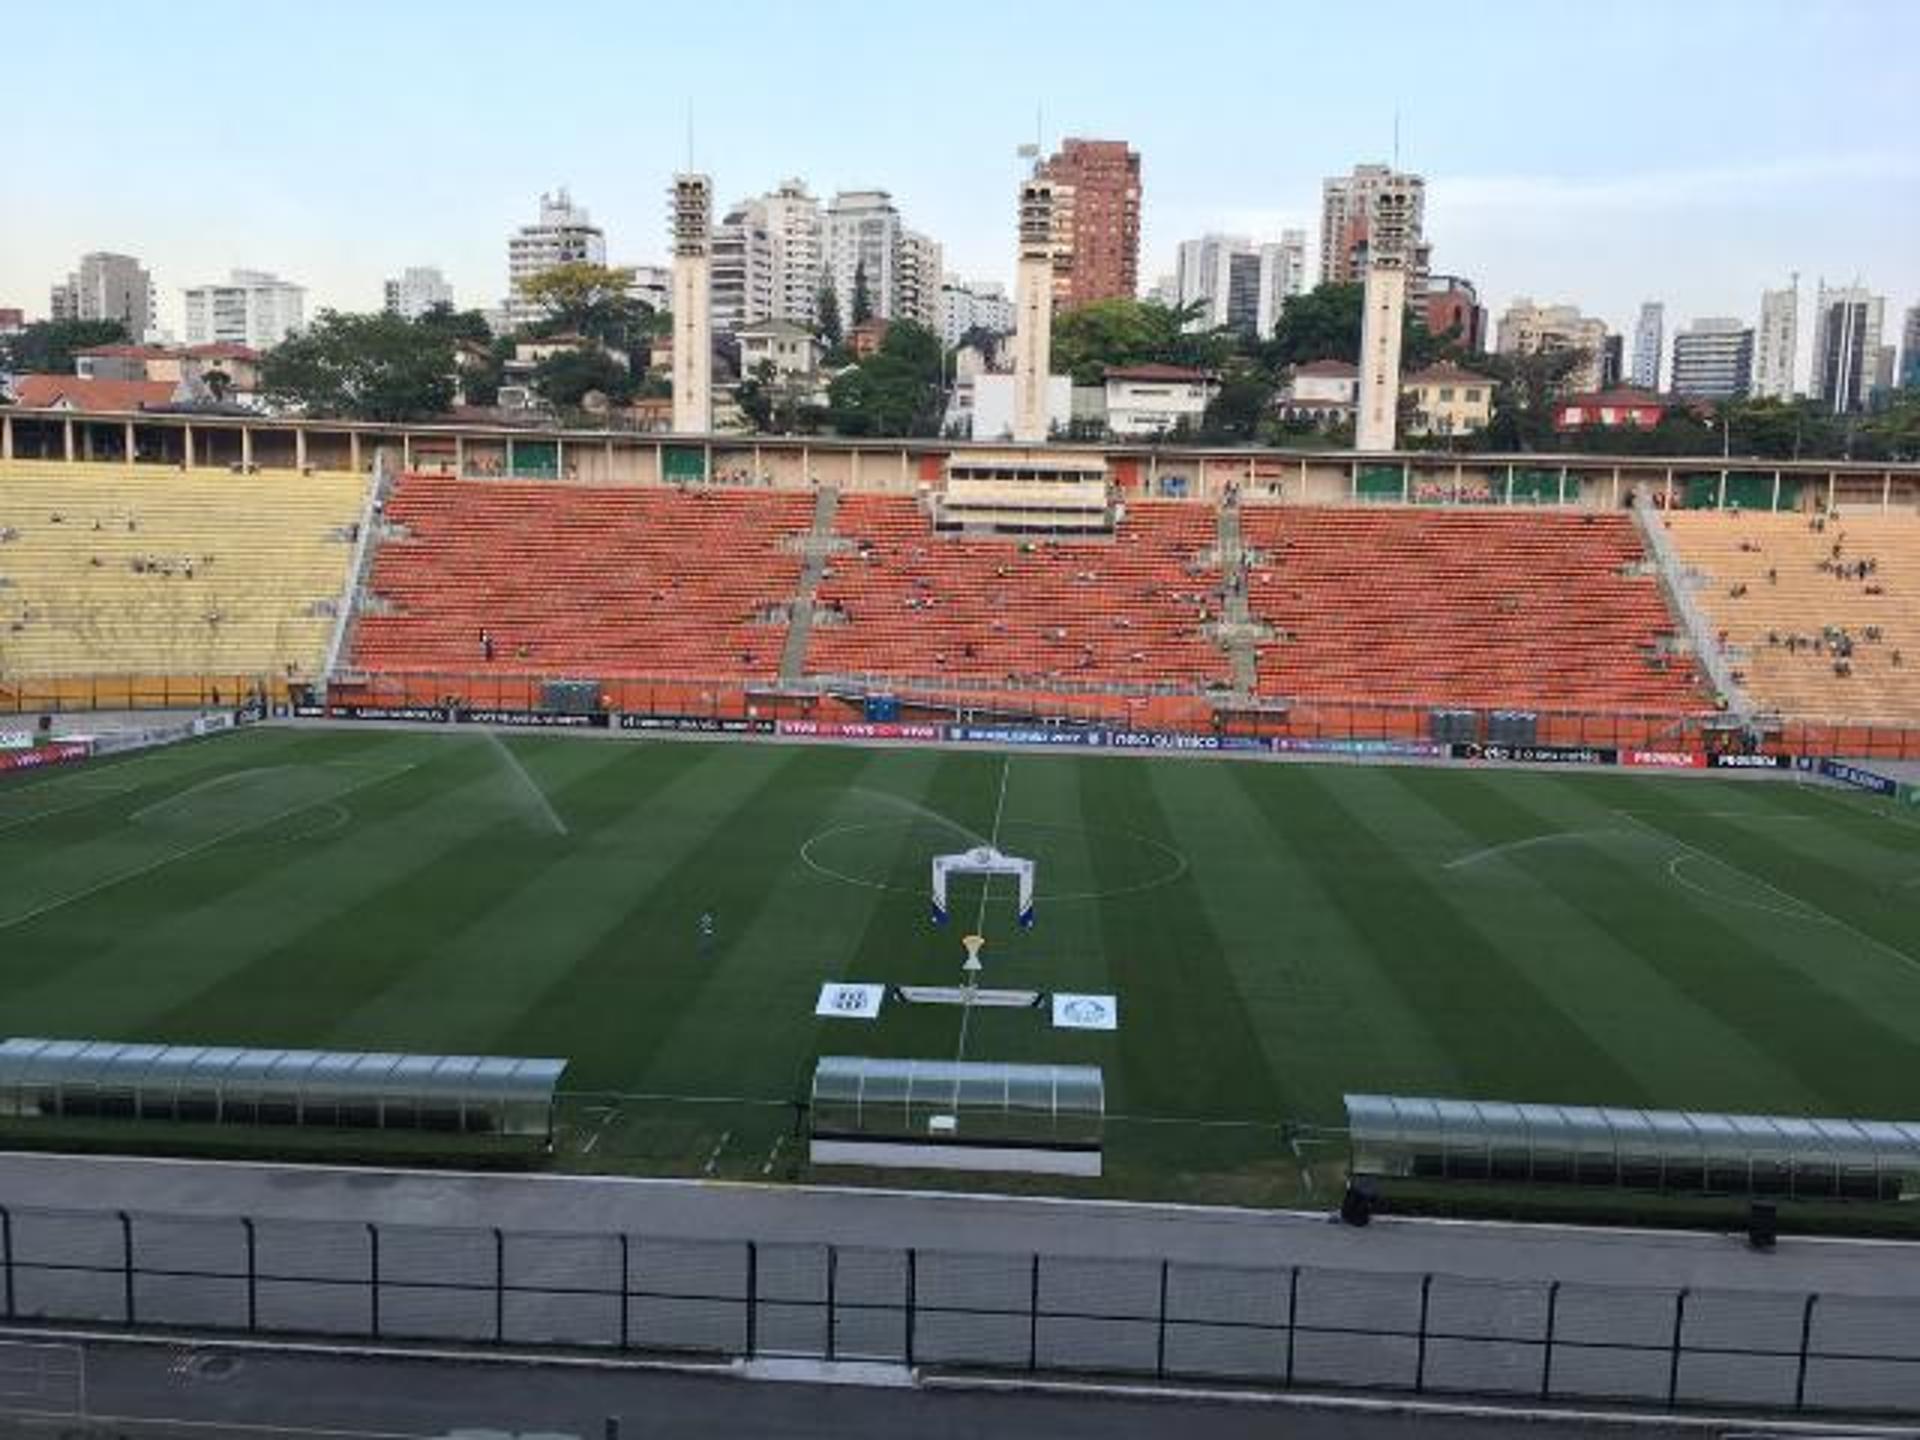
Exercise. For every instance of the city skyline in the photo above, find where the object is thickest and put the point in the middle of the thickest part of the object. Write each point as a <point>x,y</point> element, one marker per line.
<point>449,172</point>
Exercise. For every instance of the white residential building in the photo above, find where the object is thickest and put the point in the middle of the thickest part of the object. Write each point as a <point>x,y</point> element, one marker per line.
<point>790,348</point>
<point>563,235</point>
<point>742,269</point>
<point>1649,334</point>
<point>1148,400</point>
<point>1239,284</point>
<point>794,230</point>
<point>863,236</point>
<point>917,280</point>
<point>979,305</point>
<point>981,407</point>
<point>1776,343</point>
<point>108,287</point>
<point>253,308</point>
<point>417,290</point>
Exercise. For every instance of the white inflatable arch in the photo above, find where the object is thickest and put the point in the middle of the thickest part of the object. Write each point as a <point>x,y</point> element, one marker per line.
<point>982,860</point>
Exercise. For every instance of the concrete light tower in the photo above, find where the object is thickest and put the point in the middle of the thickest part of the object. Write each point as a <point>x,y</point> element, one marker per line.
<point>1389,256</point>
<point>692,301</point>
<point>1033,307</point>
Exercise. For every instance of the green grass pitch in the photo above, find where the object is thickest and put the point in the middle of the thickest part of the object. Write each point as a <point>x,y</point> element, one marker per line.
<point>1276,934</point>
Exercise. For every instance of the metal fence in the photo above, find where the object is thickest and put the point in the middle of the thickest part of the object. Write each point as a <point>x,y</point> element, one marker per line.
<point>1281,1327</point>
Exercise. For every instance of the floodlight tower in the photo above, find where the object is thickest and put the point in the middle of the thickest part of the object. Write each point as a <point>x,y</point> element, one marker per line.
<point>692,304</point>
<point>1040,202</point>
<point>1389,256</point>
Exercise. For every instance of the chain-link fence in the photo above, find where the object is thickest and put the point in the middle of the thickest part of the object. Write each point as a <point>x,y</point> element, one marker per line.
<point>1281,1327</point>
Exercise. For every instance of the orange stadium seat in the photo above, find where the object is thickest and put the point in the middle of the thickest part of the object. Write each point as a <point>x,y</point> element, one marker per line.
<point>605,581</point>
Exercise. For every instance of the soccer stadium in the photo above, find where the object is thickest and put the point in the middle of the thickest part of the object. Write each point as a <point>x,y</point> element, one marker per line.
<point>1276,833</point>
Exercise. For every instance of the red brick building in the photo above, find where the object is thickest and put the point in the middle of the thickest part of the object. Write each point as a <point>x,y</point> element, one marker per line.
<point>1100,224</point>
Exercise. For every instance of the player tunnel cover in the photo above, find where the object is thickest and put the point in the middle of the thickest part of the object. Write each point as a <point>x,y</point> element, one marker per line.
<point>982,860</point>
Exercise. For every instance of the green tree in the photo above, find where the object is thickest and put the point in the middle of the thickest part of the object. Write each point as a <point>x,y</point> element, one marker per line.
<point>1525,388</point>
<point>1237,413</point>
<point>47,347</point>
<point>862,295</point>
<point>467,325</point>
<point>755,395</point>
<point>580,298</point>
<point>895,391</point>
<point>1090,339</point>
<point>1896,430</point>
<point>363,367</point>
<point>827,306</point>
<point>566,377</point>
<point>1323,324</point>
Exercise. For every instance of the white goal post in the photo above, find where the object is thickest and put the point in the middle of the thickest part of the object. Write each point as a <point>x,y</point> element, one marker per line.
<point>982,860</point>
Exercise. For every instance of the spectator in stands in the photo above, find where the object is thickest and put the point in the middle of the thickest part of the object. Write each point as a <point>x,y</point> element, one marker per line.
<point>486,645</point>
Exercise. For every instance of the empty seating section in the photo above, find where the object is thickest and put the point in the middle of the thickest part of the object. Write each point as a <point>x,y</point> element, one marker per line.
<point>598,581</point>
<point>1461,608</point>
<point>1134,609</point>
<point>107,569</point>
<point>1811,635</point>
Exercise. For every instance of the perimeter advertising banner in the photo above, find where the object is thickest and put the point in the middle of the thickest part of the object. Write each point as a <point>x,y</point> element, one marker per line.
<point>1860,779</point>
<point>860,730</point>
<point>1027,735</point>
<point>697,724</point>
<point>1538,754</point>
<point>533,719</point>
<point>61,753</point>
<point>1750,762</point>
<point>1402,749</point>
<point>1665,759</point>
<point>417,714</point>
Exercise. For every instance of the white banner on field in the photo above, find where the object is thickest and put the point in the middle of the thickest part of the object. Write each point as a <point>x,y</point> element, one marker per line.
<point>850,1002</point>
<point>1085,1012</point>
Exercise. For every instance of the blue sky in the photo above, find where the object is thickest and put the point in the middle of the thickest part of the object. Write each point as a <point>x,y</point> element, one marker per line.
<point>1594,153</point>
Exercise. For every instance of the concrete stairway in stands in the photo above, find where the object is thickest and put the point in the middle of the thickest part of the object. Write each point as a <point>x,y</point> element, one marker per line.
<point>1238,632</point>
<point>819,545</point>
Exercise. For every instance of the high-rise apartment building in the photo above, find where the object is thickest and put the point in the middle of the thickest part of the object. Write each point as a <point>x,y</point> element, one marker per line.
<point>1239,284</point>
<point>742,269</point>
<point>1910,348</point>
<point>1095,186</point>
<point>108,287</point>
<point>1713,359</point>
<point>1349,208</point>
<point>794,231</point>
<point>416,290</point>
<point>1846,347</point>
<point>1649,332</point>
<point>253,308</point>
<point>767,255</point>
<point>1775,343</point>
<point>917,291</point>
<point>564,235</point>
<point>1530,329</point>
<point>863,238</point>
